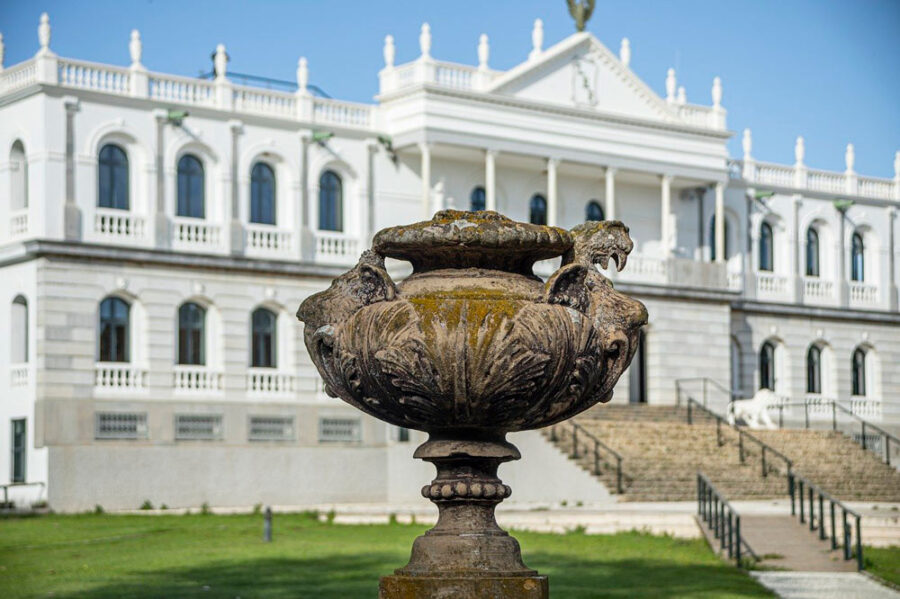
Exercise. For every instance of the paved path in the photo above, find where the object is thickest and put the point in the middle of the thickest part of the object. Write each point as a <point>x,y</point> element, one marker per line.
<point>796,547</point>
<point>823,585</point>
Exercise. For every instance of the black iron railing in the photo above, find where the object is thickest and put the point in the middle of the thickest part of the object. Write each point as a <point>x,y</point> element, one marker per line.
<point>866,429</point>
<point>805,496</point>
<point>767,452</point>
<point>723,521</point>
<point>585,443</point>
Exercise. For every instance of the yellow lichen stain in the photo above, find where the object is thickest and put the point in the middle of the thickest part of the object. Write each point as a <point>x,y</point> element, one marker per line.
<point>446,310</point>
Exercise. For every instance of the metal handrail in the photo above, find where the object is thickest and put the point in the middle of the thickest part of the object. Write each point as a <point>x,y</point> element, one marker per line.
<point>835,406</point>
<point>813,492</point>
<point>765,448</point>
<point>598,445</point>
<point>722,519</point>
<point>705,382</point>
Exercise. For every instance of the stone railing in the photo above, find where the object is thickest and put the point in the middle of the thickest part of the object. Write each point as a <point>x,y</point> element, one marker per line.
<point>866,408</point>
<point>818,291</point>
<point>93,76</point>
<point>116,377</point>
<point>335,112</point>
<point>831,182</point>
<point>771,285</point>
<point>735,281</point>
<point>445,74</point>
<point>454,75</point>
<point>195,233</point>
<point>335,247</point>
<point>18,375</point>
<point>644,269</point>
<point>18,76</point>
<point>118,224</point>
<point>197,379</point>
<point>706,117</point>
<point>18,222</point>
<point>863,294</point>
<point>268,102</point>
<point>182,90</point>
<point>268,239</point>
<point>266,381</point>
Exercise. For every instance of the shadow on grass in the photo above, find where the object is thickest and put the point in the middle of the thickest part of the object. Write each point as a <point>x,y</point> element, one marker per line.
<point>352,576</point>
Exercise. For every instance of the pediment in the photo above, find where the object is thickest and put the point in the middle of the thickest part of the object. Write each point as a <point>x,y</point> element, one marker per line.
<point>580,72</point>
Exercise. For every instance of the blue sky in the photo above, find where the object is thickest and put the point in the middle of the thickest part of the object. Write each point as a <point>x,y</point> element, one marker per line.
<point>824,69</point>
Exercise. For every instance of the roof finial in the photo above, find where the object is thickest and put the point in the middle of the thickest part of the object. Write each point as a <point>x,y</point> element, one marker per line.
<point>581,11</point>
<point>850,158</point>
<point>302,76</point>
<point>389,51</point>
<point>425,40</point>
<point>625,51</point>
<point>1,52</point>
<point>484,52</point>
<point>671,83</point>
<point>135,48</point>
<point>799,151</point>
<point>717,92</point>
<point>44,33</point>
<point>537,39</point>
<point>747,144</point>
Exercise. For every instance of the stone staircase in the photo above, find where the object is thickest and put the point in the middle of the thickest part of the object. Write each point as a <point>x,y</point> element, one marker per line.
<point>837,464</point>
<point>661,455</point>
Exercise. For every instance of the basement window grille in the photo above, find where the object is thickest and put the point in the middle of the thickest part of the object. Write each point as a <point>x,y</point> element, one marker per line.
<point>198,427</point>
<point>121,425</point>
<point>340,430</point>
<point>271,428</point>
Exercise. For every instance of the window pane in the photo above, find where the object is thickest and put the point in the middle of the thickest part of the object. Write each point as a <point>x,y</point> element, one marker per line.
<point>331,200</point>
<point>812,253</point>
<point>113,330</point>
<point>263,338</point>
<point>262,194</point>
<point>190,187</point>
<point>191,333</point>
<point>538,210</point>
<point>594,211</point>
<point>112,176</point>
<point>857,259</point>
<point>766,261</point>
<point>477,199</point>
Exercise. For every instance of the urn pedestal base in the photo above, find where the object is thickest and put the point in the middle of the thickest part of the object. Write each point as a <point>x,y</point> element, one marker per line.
<point>448,587</point>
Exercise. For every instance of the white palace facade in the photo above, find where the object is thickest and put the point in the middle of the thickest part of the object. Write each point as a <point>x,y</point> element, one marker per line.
<point>158,232</point>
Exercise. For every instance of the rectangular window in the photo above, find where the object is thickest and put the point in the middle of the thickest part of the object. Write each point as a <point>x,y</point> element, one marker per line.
<point>340,430</point>
<point>18,451</point>
<point>271,428</point>
<point>198,427</point>
<point>121,425</point>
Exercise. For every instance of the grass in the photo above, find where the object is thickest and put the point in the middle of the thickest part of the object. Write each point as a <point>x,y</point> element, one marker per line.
<point>143,557</point>
<point>883,562</point>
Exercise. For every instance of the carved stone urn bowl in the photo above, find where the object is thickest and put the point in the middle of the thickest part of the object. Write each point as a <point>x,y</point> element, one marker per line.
<point>470,346</point>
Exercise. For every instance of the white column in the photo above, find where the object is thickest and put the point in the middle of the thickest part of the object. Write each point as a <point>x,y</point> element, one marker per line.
<point>426,180</point>
<point>720,222</point>
<point>666,215</point>
<point>610,193</point>
<point>490,180</point>
<point>552,163</point>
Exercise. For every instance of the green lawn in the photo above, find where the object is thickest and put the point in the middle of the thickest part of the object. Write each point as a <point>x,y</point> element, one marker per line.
<point>224,557</point>
<point>883,562</point>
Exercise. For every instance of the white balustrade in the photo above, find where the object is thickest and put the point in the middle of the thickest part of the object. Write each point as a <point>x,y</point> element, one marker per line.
<point>404,76</point>
<point>870,187</point>
<point>335,112</point>
<point>268,381</point>
<point>454,75</point>
<point>817,291</point>
<point>268,239</point>
<point>119,377</point>
<point>195,233</point>
<point>735,281</point>
<point>18,76</point>
<point>647,269</point>
<point>197,379</point>
<point>18,222</point>
<point>699,116</point>
<point>826,181</point>
<point>770,285</point>
<point>775,174</point>
<point>336,247</point>
<point>818,406</point>
<point>267,102</point>
<point>18,375</point>
<point>863,294</point>
<point>118,224</point>
<point>866,408</point>
<point>98,77</point>
<point>183,90</point>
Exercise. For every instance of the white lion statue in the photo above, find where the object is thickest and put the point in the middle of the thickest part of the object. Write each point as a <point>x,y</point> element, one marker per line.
<point>754,411</point>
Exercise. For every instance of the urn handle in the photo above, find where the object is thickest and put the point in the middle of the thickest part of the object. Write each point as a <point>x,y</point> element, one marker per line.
<point>595,242</point>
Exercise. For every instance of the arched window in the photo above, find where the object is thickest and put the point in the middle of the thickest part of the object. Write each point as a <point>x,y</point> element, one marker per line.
<point>477,199</point>
<point>814,369</point>
<point>812,253</point>
<point>537,214</point>
<point>767,366</point>
<point>262,194</point>
<point>712,240</point>
<point>19,331</point>
<point>263,354</point>
<point>766,248</point>
<point>112,185</point>
<point>191,186</point>
<point>858,372</point>
<point>18,167</point>
<point>191,334</point>
<point>593,211</point>
<point>114,330</point>
<point>331,202</point>
<point>857,258</point>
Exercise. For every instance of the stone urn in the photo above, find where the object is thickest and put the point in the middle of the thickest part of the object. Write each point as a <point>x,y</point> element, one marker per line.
<point>471,346</point>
